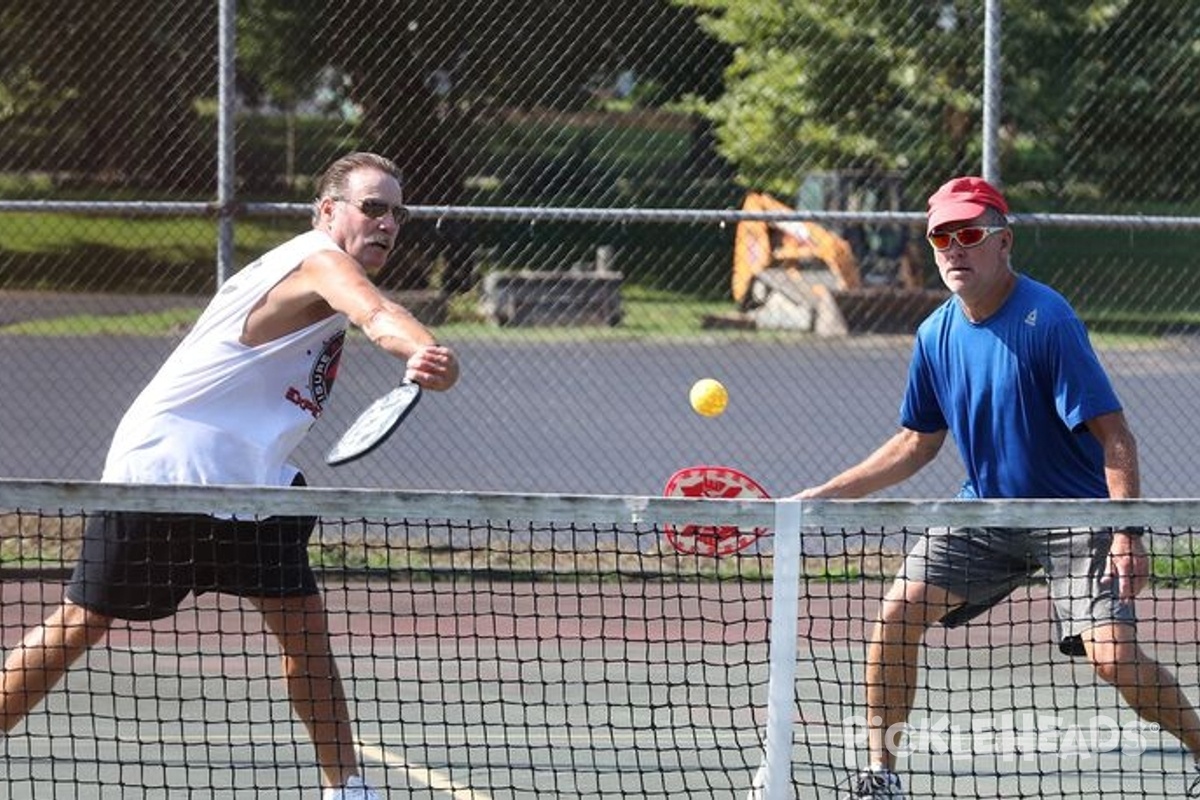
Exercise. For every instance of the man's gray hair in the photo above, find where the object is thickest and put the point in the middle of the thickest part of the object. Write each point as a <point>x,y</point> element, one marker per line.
<point>334,179</point>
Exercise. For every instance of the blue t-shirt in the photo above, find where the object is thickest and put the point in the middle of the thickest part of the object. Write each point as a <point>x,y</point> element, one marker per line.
<point>1014,391</point>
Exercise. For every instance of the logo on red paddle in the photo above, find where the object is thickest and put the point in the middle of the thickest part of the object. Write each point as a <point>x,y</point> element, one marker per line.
<point>712,482</point>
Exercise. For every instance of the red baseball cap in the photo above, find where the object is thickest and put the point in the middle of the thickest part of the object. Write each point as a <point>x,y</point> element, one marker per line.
<point>963,198</point>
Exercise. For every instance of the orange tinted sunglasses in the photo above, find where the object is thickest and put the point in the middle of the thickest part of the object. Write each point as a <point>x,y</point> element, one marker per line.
<point>972,236</point>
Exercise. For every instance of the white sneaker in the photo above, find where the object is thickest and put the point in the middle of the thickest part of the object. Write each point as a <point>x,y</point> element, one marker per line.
<point>355,789</point>
<point>878,782</point>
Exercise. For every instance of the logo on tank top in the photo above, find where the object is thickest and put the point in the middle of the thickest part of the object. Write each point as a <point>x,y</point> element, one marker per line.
<point>325,368</point>
<point>320,381</point>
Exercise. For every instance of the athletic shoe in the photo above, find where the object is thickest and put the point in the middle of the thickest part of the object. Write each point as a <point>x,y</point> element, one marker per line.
<point>877,784</point>
<point>355,789</point>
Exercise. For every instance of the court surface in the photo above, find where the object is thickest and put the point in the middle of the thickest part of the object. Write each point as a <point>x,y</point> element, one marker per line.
<point>606,417</point>
<point>527,690</point>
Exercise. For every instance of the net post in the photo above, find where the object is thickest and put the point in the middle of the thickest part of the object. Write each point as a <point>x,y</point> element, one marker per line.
<point>773,781</point>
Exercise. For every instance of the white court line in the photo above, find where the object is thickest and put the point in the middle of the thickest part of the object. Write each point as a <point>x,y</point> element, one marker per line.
<point>428,777</point>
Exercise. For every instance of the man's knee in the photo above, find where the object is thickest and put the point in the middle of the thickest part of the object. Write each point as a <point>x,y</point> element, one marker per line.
<point>916,602</point>
<point>80,623</point>
<point>907,611</point>
<point>1114,653</point>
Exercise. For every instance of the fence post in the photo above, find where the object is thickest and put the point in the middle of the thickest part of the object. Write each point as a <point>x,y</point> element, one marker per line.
<point>991,92</point>
<point>226,124</point>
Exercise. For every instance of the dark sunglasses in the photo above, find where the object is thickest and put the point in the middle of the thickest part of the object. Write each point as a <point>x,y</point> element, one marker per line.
<point>966,237</point>
<point>376,209</point>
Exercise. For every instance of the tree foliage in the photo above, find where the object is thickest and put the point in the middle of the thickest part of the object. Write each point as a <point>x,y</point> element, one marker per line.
<point>1098,95</point>
<point>270,64</point>
<point>1138,112</point>
<point>897,85</point>
<point>830,84</point>
<point>115,83</point>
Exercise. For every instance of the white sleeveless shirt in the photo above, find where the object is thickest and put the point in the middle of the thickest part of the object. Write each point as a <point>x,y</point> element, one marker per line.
<point>219,411</point>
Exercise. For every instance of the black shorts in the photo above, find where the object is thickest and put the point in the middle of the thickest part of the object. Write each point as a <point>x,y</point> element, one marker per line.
<point>141,566</point>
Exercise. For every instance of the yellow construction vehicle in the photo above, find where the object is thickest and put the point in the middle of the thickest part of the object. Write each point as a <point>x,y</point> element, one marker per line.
<point>806,276</point>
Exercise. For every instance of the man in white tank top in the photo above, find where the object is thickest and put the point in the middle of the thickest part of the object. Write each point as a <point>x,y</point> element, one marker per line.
<point>229,406</point>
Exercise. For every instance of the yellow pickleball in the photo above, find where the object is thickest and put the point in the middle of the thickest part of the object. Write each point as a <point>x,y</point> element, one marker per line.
<point>709,397</point>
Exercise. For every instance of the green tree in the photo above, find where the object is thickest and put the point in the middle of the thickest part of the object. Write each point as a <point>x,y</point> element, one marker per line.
<point>271,67</point>
<point>421,71</point>
<point>897,85</point>
<point>844,84</point>
<point>115,83</point>
<point>1138,114</point>
<point>428,77</point>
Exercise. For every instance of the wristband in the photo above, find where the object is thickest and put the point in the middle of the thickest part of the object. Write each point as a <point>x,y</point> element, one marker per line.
<point>1131,530</point>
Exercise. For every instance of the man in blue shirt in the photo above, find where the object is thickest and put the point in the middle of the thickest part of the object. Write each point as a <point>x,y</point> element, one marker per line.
<point>1006,367</point>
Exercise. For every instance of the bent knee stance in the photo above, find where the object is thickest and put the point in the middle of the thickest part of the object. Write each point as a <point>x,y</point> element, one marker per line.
<point>1115,654</point>
<point>65,635</point>
<point>910,608</point>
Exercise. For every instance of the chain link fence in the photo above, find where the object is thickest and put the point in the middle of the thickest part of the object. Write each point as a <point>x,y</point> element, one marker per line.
<point>588,182</point>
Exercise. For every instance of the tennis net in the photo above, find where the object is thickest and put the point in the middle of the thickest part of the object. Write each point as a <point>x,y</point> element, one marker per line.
<point>512,646</point>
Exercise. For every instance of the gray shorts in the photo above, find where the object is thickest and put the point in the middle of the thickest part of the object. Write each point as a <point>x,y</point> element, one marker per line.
<point>983,565</point>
